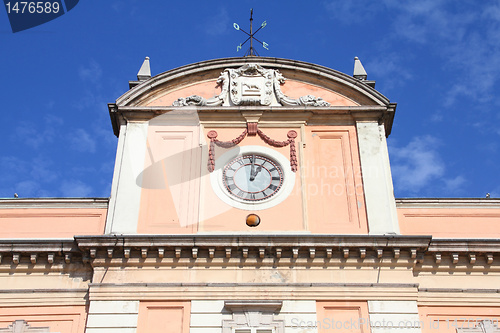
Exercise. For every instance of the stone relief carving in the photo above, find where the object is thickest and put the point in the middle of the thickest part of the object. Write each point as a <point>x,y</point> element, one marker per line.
<point>258,315</point>
<point>200,101</point>
<point>21,326</point>
<point>251,84</point>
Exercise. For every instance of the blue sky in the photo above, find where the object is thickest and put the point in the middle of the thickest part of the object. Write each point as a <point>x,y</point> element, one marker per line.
<point>438,59</point>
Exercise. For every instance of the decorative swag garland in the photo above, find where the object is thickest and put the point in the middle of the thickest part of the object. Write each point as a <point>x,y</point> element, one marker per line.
<point>251,130</point>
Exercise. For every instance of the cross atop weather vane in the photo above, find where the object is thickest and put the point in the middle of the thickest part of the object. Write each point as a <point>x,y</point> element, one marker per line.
<point>251,51</point>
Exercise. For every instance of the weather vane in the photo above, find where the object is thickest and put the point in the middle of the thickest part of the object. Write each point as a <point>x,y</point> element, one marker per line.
<point>251,51</point>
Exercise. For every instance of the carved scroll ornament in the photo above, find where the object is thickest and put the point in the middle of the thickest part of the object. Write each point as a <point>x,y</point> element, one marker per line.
<point>251,84</point>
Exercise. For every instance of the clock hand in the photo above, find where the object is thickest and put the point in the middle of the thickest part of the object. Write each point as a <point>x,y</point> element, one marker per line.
<point>252,169</point>
<point>259,169</point>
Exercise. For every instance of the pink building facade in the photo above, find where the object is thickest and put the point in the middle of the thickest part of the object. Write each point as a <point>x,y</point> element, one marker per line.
<point>250,195</point>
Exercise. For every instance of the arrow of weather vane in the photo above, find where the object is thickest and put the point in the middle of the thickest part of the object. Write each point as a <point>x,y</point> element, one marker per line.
<point>251,51</point>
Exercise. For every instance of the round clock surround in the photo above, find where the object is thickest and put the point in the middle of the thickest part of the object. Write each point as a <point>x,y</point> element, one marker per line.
<point>252,178</point>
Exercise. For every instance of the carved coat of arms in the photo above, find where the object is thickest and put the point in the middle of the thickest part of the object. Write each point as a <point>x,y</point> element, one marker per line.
<point>251,84</point>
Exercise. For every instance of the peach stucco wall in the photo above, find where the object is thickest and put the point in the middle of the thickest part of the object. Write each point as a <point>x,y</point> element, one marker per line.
<point>160,317</point>
<point>343,316</point>
<point>291,88</point>
<point>51,222</point>
<point>296,89</point>
<point>207,89</point>
<point>286,216</point>
<point>333,184</point>
<point>62,319</point>
<point>450,222</point>
<point>446,319</point>
<point>170,180</point>
<point>177,195</point>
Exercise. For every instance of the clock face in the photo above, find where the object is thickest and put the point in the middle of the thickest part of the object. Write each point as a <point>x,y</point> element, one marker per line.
<point>252,177</point>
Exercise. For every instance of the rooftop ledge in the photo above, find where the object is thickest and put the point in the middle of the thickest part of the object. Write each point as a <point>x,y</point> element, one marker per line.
<point>6,203</point>
<point>448,202</point>
<point>103,202</point>
<point>322,249</point>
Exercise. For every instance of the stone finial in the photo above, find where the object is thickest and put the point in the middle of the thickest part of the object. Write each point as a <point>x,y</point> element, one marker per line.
<point>359,70</point>
<point>145,71</point>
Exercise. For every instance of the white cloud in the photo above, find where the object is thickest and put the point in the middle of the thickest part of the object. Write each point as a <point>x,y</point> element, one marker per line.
<point>463,35</point>
<point>28,177</point>
<point>27,189</point>
<point>454,185</point>
<point>12,164</point>
<point>429,20</point>
<point>30,189</point>
<point>82,141</point>
<point>218,24</point>
<point>416,164</point>
<point>29,134</point>
<point>419,169</point>
<point>92,72</point>
<point>38,135</point>
<point>52,120</point>
<point>495,193</point>
<point>43,170</point>
<point>353,12</point>
<point>389,66</point>
<point>75,188</point>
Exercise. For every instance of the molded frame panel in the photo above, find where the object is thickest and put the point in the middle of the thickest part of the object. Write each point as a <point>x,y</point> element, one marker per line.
<point>160,317</point>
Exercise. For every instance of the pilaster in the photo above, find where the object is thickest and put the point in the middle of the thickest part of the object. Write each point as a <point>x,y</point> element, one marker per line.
<point>394,316</point>
<point>377,180</point>
<point>112,316</point>
<point>126,189</point>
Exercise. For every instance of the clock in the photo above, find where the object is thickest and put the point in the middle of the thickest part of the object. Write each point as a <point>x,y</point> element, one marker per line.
<point>252,177</point>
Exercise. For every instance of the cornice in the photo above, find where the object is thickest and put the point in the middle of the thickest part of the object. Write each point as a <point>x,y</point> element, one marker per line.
<point>233,115</point>
<point>464,251</point>
<point>448,203</point>
<point>303,249</point>
<point>54,203</point>
<point>44,297</point>
<point>111,250</point>
<point>42,251</point>
<point>253,291</point>
<point>298,249</point>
